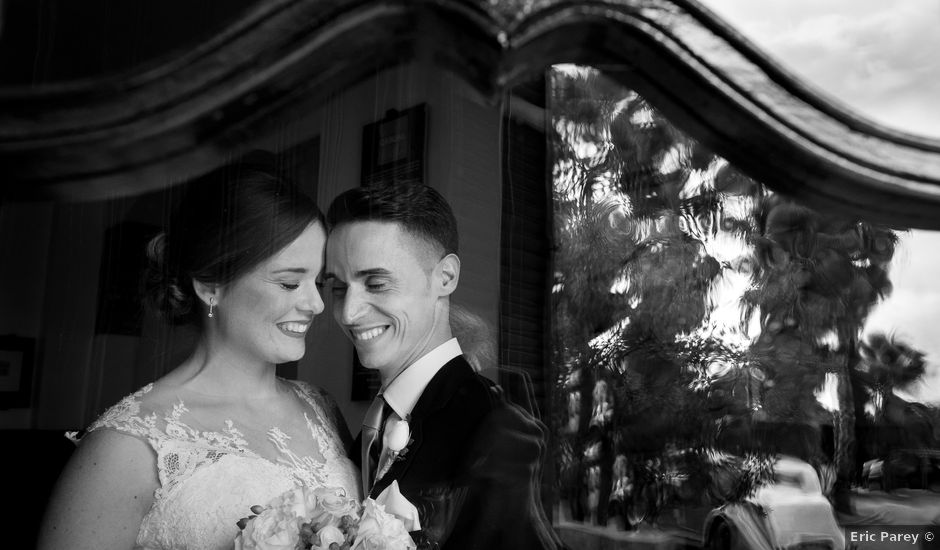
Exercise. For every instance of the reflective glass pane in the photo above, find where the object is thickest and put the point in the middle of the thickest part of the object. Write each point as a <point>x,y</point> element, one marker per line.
<point>727,362</point>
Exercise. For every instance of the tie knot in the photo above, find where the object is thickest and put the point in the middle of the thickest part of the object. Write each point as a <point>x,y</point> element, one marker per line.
<point>373,418</point>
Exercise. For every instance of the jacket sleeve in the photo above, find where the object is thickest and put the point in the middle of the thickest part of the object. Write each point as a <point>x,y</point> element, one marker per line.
<point>503,476</point>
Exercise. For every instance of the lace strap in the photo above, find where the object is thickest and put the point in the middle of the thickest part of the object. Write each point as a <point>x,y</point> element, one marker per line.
<point>317,399</point>
<point>327,410</point>
<point>76,437</point>
<point>124,417</point>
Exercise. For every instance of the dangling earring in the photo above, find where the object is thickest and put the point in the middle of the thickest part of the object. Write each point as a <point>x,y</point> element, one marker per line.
<point>211,307</point>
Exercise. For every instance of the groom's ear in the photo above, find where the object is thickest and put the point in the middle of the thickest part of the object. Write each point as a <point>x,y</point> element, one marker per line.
<point>447,274</point>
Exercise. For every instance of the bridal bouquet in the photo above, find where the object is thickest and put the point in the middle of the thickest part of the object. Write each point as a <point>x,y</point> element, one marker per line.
<point>326,519</point>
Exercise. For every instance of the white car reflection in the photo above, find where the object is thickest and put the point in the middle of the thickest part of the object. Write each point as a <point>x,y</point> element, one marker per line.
<point>791,512</point>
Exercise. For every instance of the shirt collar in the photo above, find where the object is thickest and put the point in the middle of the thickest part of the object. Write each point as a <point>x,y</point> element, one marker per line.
<point>403,393</point>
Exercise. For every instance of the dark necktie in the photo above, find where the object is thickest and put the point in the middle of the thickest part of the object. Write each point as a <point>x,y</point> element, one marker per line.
<point>371,426</point>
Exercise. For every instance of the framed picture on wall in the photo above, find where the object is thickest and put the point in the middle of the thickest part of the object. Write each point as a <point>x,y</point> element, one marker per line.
<point>393,147</point>
<point>16,371</point>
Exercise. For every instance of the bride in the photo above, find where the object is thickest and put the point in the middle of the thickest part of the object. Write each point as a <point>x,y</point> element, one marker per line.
<point>179,462</point>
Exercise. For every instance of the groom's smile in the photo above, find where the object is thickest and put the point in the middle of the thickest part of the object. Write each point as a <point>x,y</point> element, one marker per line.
<point>383,292</point>
<point>364,335</point>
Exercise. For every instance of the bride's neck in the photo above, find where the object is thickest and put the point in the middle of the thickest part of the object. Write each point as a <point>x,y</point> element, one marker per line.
<point>220,372</point>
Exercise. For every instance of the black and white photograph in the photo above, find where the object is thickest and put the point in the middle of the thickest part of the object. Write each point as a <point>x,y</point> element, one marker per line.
<point>470,274</point>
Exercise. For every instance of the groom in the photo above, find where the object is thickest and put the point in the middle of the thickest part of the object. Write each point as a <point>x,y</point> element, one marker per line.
<point>464,457</point>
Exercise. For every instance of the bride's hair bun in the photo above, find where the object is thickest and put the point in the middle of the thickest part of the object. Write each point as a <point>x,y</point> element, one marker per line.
<point>162,284</point>
<point>226,223</point>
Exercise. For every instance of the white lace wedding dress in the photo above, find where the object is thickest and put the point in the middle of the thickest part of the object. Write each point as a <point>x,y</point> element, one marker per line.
<point>210,478</point>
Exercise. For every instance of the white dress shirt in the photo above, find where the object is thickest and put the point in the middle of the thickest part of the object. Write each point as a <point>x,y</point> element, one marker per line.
<point>403,392</point>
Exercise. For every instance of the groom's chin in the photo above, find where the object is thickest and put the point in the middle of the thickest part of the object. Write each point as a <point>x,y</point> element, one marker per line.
<point>367,359</point>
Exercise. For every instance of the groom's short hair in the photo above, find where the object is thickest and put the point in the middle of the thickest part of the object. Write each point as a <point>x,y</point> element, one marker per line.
<point>417,208</point>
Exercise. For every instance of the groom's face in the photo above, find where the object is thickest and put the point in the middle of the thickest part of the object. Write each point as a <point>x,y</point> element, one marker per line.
<point>383,295</point>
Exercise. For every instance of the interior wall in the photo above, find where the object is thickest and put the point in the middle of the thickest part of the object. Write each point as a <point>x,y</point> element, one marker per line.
<point>23,273</point>
<point>68,314</point>
<point>83,371</point>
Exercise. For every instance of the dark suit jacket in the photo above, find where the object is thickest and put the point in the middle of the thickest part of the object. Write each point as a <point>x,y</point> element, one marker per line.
<point>473,466</point>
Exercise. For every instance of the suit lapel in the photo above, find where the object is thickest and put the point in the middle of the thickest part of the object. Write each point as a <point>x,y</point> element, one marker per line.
<point>435,396</point>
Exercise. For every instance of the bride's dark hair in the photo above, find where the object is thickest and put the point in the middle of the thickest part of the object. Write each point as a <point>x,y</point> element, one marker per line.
<point>227,222</point>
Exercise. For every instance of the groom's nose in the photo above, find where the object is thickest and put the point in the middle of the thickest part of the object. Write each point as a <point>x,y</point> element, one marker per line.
<point>351,306</point>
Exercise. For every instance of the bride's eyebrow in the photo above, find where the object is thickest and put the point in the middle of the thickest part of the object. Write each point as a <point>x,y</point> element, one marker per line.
<point>297,270</point>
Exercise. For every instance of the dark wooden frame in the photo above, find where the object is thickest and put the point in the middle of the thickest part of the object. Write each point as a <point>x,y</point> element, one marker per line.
<point>129,133</point>
<point>21,397</point>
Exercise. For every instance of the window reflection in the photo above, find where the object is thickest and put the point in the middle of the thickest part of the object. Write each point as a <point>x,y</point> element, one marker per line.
<point>710,347</point>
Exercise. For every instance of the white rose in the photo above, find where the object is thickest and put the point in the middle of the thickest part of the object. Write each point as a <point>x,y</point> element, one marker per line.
<point>397,435</point>
<point>327,506</point>
<point>379,530</point>
<point>395,503</point>
<point>292,502</point>
<point>272,529</point>
<point>328,535</point>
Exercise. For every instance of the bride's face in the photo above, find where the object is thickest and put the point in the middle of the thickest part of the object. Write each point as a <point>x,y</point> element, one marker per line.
<point>265,313</point>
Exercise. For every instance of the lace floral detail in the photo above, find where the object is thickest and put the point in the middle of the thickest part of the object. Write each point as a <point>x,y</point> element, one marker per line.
<point>309,470</point>
<point>209,479</point>
<point>315,399</point>
<point>230,438</point>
